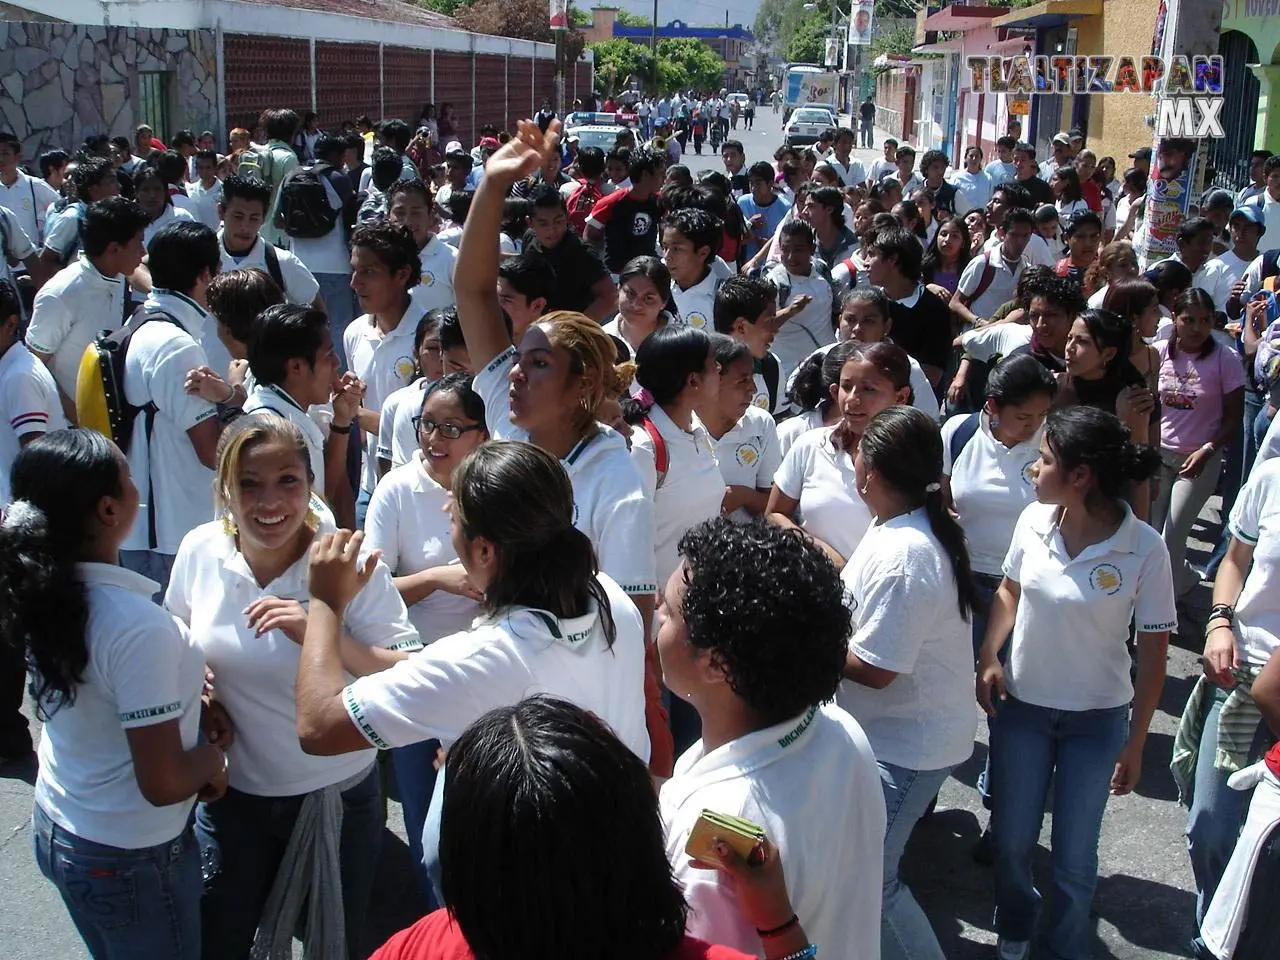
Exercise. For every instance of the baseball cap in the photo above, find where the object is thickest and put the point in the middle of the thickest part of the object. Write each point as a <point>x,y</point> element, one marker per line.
<point>1250,213</point>
<point>1075,133</point>
<point>572,138</point>
<point>1142,153</point>
<point>453,146</point>
<point>1064,138</point>
<point>488,142</point>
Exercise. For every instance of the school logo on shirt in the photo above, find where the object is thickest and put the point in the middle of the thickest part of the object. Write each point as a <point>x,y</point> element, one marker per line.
<point>641,225</point>
<point>696,319</point>
<point>761,400</point>
<point>428,279</point>
<point>404,368</point>
<point>1106,578</point>
<point>1029,473</point>
<point>747,454</point>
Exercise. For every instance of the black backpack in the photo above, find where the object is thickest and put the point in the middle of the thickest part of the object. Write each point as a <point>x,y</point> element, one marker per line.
<point>304,211</point>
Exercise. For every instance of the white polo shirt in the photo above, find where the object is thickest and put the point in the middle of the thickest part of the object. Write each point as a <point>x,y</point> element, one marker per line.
<point>691,491</point>
<point>17,246</point>
<point>171,214</point>
<point>441,690</point>
<point>70,310</point>
<point>408,521</point>
<point>812,783</point>
<point>995,341</point>
<point>851,174</point>
<point>809,329</point>
<point>1271,215</point>
<point>1069,647</point>
<point>29,198</point>
<point>973,190</point>
<point>385,362</point>
<point>209,589</point>
<point>793,428</point>
<point>1037,253</point>
<point>203,202</point>
<point>397,436</point>
<point>160,356</point>
<point>609,502</point>
<point>821,477</point>
<point>1214,278</point>
<point>143,669</point>
<point>312,421</point>
<point>901,593</point>
<point>696,306</point>
<point>1255,520</point>
<point>1004,282</point>
<point>991,485</point>
<point>300,285</point>
<point>922,396</point>
<point>434,289</point>
<point>29,404</point>
<point>857,279</point>
<point>749,455</point>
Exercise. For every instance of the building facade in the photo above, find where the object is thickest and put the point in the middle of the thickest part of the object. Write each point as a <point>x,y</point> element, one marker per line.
<point>731,43</point>
<point>71,68</point>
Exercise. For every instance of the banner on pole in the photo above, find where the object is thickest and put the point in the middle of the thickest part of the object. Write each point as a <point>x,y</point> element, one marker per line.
<point>559,14</point>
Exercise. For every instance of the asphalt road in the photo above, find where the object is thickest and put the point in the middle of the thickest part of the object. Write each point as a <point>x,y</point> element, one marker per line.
<point>1144,904</point>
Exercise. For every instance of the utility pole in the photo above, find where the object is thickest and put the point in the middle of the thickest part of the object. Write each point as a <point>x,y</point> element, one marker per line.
<point>653,48</point>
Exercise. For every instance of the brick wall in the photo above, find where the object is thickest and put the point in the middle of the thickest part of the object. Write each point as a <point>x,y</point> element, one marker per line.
<point>520,103</point>
<point>406,78</point>
<point>544,82</point>
<point>347,82</point>
<point>891,98</point>
<point>264,72</point>
<point>491,91</point>
<point>453,85</point>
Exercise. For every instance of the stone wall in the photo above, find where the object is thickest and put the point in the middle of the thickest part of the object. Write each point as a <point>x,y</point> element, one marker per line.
<point>60,83</point>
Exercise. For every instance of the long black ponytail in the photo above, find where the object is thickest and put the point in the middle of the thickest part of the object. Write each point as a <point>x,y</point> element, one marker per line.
<point>56,484</point>
<point>904,448</point>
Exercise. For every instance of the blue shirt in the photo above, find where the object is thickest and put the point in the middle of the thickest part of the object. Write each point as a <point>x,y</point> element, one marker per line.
<point>772,214</point>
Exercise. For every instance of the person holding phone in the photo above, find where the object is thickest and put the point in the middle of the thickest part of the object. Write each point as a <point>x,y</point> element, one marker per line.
<point>773,749</point>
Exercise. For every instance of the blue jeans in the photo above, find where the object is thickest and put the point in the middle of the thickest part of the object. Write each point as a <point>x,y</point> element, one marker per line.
<point>1217,812</point>
<point>986,586</point>
<point>1237,466</point>
<point>905,933</point>
<point>1077,750</point>
<point>363,499</point>
<point>340,303</point>
<point>416,774</point>
<point>149,563</point>
<point>125,903</point>
<point>242,840</point>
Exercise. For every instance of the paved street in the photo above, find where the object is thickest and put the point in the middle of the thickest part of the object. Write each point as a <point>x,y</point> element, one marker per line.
<point>1144,903</point>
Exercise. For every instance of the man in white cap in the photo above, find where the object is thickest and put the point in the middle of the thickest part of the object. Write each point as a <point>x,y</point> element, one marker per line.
<point>1061,156</point>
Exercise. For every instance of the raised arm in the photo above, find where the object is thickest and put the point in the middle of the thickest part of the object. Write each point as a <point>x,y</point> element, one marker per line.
<point>475,279</point>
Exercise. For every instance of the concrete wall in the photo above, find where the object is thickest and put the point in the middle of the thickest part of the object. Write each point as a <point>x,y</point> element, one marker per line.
<point>60,82</point>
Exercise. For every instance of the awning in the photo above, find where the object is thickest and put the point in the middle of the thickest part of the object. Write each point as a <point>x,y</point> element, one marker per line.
<point>958,17</point>
<point>1013,46</point>
<point>954,45</point>
<point>1050,13</point>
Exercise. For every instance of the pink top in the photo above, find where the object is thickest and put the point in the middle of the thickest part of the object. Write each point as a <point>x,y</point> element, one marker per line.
<point>1191,395</point>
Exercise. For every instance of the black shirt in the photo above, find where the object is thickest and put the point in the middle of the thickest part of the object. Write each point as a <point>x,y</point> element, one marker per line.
<point>577,269</point>
<point>923,330</point>
<point>1038,189</point>
<point>630,227</point>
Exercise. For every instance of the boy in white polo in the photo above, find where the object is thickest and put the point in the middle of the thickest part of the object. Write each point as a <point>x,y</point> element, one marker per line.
<point>990,279</point>
<point>380,343</point>
<point>177,496</point>
<point>781,756</point>
<point>690,239</point>
<point>409,204</point>
<point>90,294</point>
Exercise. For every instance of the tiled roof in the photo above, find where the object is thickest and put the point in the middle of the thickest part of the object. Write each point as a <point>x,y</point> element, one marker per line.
<point>390,11</point>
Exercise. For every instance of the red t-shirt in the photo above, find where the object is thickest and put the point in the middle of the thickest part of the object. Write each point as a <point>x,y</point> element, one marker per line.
<point>1092,195</point>
<point>1272,759</point>
<point>435,937</point>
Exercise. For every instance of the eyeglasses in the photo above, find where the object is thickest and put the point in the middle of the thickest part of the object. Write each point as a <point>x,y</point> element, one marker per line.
<point>450,431</point>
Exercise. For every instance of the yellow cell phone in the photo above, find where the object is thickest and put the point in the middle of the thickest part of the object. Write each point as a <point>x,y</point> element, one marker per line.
<point>743,836</point>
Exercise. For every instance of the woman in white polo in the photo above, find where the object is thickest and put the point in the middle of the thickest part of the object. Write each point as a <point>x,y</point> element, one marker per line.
<point>1080,570</point>
<point>816,479</point>
<point>909,670</point>
<point>408,523</point>
<point>240,585</point>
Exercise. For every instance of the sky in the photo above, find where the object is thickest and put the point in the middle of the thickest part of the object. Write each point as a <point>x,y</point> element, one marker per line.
<point>696,13</point>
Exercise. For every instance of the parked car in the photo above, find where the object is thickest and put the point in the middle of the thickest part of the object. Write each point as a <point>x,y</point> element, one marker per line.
<point>806,125</point>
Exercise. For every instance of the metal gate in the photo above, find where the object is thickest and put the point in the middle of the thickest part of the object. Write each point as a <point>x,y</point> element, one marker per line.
<point>1228,158</point>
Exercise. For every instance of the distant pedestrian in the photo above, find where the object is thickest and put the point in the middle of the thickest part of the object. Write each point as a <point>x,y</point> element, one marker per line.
<point>867,112</point>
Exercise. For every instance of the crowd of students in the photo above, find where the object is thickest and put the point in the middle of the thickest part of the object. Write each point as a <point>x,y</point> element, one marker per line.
<point>559,478</point>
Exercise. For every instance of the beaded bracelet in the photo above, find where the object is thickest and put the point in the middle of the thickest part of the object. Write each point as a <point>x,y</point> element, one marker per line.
<point>808,953</point>
<point>778,930</point>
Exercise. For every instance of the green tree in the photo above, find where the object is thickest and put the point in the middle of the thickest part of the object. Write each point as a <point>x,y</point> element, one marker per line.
<point>618,59</point>
<point>703,68</point>
<point>579,18</point>
<point>809,43</point>
<point>629,19</point>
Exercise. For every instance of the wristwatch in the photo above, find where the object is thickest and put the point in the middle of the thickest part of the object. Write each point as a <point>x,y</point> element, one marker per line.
<point>1222,611</point>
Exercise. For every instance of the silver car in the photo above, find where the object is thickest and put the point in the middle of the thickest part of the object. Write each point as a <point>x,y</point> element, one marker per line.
<point>806,125</point>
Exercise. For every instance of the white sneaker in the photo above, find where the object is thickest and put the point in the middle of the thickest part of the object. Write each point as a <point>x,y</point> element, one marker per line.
<point>1013,949</point>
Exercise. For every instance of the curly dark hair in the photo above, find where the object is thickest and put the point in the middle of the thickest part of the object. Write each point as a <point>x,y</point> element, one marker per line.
<point>393,244</point>
<point>769,606</point>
